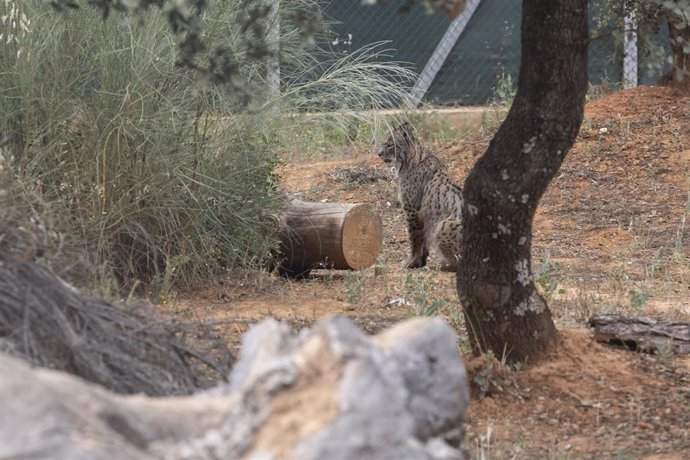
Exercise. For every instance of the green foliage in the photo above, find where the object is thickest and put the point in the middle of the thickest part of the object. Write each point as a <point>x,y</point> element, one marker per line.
<point>337,99</point>
<point>355,282</point>
<point>638,299</point>
<point>487,378</point>
<point>124,149</point>
<point>505,91</point>
<point>433,127</point>
<point>148,173</point>
<point>197,26</point>
<point>450,7</point>
<point>664,352</point>
<point>546,276</point>
<point>419,290</point>
<point>649,15</point>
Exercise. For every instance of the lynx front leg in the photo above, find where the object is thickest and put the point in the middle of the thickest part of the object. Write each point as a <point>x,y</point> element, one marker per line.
<point>415,232</point>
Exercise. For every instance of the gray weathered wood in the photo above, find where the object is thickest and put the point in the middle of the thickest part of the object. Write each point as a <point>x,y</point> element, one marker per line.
<point>332,392</point>
<point>641,334</point>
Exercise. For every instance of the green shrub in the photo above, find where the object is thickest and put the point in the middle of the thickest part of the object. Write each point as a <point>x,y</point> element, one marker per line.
<point>123,149</point>
<point>134,168</point>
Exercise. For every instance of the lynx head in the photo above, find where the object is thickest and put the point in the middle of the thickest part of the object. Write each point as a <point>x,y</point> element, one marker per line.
<point>398,146</point>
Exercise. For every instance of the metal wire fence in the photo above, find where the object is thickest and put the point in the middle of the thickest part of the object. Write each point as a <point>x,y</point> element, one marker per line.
<point>473,59</point>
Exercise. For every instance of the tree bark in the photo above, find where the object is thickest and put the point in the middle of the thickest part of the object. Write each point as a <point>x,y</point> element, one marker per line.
<point>503,311</point>
<point>680,38</point>
<point>328,235</point>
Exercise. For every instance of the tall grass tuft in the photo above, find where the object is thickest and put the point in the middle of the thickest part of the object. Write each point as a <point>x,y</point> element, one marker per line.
<point>137,169</point>
<point>347,93</point>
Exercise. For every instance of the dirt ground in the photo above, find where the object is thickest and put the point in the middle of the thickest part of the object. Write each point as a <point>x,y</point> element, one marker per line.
<point>611,235</point>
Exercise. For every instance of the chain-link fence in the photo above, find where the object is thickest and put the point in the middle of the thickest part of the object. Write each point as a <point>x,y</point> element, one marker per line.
<point>473,59</point>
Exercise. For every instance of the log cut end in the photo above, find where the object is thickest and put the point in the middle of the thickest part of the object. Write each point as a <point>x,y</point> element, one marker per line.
<point>362,238</point>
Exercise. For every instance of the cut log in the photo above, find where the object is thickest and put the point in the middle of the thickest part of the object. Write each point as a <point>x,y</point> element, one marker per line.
<point>641,334</point>
<point>328,235</point>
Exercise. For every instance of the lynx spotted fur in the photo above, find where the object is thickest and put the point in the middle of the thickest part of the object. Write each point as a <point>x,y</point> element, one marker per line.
<point>431,201</point>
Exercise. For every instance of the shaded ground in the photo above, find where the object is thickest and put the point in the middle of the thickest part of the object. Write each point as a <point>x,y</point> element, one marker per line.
<point>611,235</point>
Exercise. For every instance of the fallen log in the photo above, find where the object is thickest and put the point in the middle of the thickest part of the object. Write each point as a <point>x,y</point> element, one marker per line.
<point>641,334</point>
<point>328,235</point>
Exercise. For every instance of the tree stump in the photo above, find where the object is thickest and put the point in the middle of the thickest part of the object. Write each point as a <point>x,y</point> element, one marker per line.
<point>328,235</point>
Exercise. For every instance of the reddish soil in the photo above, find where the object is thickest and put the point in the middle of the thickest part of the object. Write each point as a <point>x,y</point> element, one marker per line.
<point>612,235</point>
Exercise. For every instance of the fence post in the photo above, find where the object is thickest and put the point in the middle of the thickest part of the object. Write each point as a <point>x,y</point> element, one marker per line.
<point>630,51</point>
<point>273,58</point>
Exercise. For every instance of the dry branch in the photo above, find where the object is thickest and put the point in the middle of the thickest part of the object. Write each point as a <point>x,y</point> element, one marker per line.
<point>641,334</point>
<point>48,323</point>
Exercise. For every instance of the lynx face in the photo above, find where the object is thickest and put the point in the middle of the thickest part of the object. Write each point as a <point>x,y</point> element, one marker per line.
<point>396,148</point>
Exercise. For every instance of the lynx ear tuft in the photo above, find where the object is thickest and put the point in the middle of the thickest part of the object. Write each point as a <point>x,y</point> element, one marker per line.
<point>407,131</point>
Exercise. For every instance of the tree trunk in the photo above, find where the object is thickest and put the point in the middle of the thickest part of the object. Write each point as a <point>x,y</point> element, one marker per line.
<point>328,235</point>
<point>680,38</point>
<point>503,311</point>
